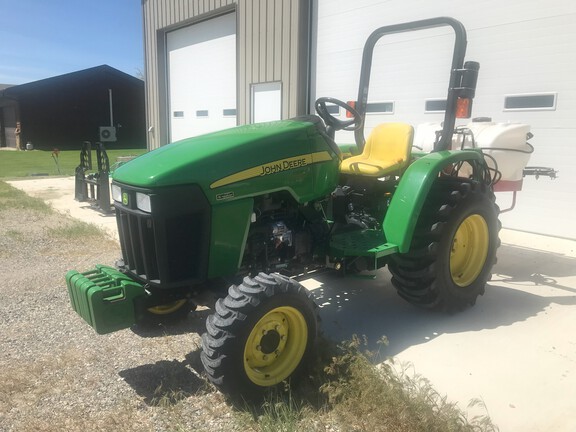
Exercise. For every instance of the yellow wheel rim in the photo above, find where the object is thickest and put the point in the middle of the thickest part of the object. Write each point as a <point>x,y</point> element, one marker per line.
<point>275,346</point>
<point>469,250</point>
<point>167,308</point>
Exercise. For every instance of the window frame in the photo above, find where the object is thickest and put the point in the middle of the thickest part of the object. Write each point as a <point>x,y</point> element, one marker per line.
<point>427,111</point>
<point>533,108</point>
<point>391,102</point>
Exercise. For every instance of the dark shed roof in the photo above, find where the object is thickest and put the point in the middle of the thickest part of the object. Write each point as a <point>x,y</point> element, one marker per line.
<point>68,80</point>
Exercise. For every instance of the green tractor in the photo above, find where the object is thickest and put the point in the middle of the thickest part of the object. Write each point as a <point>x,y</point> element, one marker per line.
<point>233,219</point>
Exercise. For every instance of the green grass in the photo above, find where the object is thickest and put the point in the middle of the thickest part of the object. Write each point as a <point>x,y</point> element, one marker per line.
<point>71,229</point>
<point>12,198</point>
<point>41,162</point>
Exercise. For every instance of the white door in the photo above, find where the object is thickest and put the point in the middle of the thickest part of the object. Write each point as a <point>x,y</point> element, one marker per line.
<point>202,77</point>
<point>266,102</point>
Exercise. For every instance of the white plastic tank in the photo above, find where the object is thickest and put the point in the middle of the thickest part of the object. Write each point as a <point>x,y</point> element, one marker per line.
<point>505,142</point>
<point>425,136</point>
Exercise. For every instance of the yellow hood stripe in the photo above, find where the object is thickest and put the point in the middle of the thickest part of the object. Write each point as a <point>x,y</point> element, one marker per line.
<point>273,167</point>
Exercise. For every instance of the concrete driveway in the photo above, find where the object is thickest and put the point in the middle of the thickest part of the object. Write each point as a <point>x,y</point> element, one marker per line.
<point>515,350</point>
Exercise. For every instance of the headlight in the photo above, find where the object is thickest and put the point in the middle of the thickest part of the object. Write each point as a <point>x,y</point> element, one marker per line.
<point>143,202</point>
<point>116,193</point>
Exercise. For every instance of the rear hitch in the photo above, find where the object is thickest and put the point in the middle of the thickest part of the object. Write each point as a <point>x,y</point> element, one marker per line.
<point>540,171</point>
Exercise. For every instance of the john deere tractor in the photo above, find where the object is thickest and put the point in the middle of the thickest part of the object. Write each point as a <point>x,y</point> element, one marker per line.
<point>233,219</point>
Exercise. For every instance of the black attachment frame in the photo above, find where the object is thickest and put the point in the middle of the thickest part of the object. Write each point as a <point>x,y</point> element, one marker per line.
<point>93,187</point>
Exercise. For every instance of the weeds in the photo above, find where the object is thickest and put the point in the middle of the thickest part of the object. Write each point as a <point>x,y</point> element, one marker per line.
<point>14,234</point>
<point>12,198</point>
<point>280,412</point>
<point>75,230</point>
<point>355,395</point>
<point>168,398</point>
<point>55,154</point>
<point>364,397</point>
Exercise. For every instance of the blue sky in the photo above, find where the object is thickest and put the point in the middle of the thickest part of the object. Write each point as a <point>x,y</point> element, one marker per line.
<point>44,38</point>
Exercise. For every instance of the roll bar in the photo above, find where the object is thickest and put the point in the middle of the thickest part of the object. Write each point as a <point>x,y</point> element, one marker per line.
<point>462,77</point>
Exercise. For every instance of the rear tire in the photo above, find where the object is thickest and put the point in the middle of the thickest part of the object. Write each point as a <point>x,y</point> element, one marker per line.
<point>453,249</point>
<point>259,335</point>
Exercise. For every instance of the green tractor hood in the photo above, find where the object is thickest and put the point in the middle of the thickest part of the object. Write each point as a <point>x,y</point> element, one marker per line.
<point>277,155</point>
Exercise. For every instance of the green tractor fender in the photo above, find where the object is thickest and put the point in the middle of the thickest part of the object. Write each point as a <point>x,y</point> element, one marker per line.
<point>414,186</point>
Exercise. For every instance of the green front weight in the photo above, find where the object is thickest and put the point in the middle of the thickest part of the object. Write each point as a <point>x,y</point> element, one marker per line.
<point>104,298</point>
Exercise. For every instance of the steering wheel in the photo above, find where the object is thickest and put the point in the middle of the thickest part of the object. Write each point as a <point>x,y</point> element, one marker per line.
<point>353,124</point>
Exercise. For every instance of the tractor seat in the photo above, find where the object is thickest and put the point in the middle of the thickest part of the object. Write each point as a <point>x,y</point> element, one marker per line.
<point>387,150</point>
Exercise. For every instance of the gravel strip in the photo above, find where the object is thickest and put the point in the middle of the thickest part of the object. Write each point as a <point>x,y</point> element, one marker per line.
<point>57,374</point>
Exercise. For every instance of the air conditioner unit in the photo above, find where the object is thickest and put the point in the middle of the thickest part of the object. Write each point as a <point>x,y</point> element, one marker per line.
<point>107,134</point>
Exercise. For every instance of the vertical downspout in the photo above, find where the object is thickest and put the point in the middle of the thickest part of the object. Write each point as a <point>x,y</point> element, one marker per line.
<point>304,59</point>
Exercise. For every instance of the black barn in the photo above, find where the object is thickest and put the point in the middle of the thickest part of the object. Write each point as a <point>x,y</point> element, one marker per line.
<point>96,104</point>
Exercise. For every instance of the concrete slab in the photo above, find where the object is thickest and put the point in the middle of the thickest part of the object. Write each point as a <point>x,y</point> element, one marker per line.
<point>515,350</point>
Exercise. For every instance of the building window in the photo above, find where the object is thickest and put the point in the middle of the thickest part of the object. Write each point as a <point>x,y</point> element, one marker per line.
<point>380,108</point>
<point>435,105</point>
<point>230,112</point>
<point>333,109</point>
<point>530,102</point>
<point>178,114</point>
<point>202,113</point>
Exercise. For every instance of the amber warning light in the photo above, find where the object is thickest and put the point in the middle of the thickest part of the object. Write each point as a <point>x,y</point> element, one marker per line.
<point>467,89</point>
<point>353,105</point>
<point>463,108</point>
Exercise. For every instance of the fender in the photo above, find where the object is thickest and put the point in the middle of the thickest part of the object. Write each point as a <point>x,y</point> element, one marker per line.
<point>415,184</point>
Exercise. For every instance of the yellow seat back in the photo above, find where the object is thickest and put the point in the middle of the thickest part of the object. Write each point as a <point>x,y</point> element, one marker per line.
<point>387,150</point>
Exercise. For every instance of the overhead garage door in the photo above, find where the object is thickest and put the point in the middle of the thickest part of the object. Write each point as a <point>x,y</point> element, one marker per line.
<point>202,77</point>
<point>524,51</point>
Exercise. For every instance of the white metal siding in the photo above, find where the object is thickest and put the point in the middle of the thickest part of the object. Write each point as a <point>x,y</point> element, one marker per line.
<point>523,47</point>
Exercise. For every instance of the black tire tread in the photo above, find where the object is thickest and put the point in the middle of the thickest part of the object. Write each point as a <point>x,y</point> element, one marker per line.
<point>415,274</point>
<point>229,322</point>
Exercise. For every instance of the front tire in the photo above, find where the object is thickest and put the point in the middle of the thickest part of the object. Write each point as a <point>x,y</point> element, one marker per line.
<point>453,249</point>
<point>169,313</point>
<point>259,335</point>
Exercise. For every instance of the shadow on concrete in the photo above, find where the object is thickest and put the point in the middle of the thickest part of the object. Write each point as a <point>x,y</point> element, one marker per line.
<point>530,267</point>
<point>525,283</point>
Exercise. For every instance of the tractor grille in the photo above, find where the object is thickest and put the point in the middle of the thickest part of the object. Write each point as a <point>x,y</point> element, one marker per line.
<point>168,247</point>
<point>139,245</point>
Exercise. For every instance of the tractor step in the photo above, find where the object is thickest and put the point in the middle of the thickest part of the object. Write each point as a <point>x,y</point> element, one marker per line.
<point>367,243</point>
<point>104,297</point>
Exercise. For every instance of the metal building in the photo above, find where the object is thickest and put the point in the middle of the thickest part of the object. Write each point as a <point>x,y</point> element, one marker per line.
<point>217,63</point>
<point>211,64</point>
